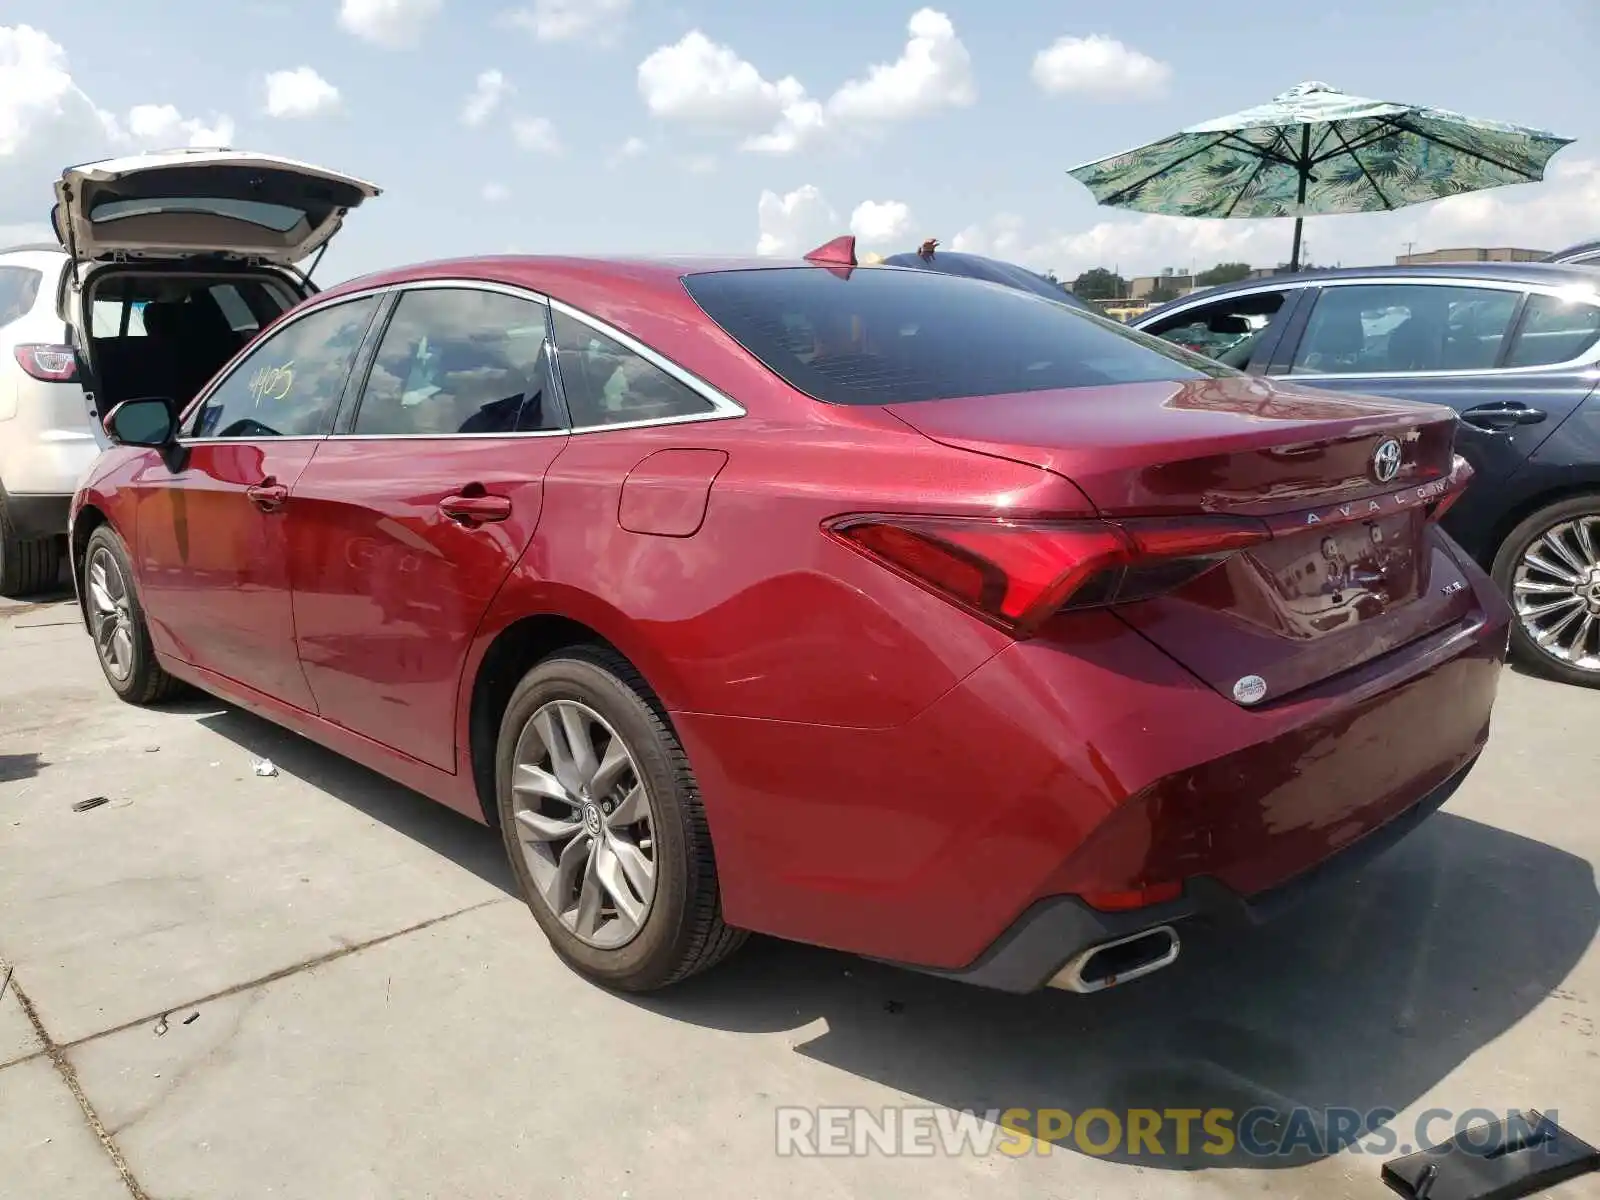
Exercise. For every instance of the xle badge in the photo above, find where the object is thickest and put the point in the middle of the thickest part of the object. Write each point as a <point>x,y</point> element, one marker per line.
<point>1250,689</point>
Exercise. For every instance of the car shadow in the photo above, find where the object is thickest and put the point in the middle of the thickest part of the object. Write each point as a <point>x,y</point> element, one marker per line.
<point>1363,998</point>
<point>446,832</point>
<point>16,767</point>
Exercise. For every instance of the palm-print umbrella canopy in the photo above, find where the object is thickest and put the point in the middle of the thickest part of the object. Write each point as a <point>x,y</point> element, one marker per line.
<point>1314,150</point>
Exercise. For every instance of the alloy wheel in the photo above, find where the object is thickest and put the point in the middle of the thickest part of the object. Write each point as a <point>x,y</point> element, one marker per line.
<point>110,614</point>
<point>1556,592</point>
<point>585,823</point>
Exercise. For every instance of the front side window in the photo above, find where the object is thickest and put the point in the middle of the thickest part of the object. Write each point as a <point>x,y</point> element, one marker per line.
<point>1554,330</point>
<point>605,383</point>
<point>1404,327</point>
<point>289,386</point>
<point>18,287</point>
<point>886,336</point>
<point>1229,330</point>
<point>458,360</point>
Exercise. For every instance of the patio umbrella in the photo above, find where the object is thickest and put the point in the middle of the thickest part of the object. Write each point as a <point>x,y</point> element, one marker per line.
<point>1314,150</point>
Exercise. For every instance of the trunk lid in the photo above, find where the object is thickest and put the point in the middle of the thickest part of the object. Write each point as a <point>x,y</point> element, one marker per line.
<point>1351,571</point>
<point>181,204</point>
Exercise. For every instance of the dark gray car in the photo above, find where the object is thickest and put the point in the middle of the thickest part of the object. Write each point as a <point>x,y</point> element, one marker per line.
<point>1514,348</point>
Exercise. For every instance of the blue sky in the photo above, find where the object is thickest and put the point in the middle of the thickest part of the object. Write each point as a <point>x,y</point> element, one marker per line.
<point>772,127</point>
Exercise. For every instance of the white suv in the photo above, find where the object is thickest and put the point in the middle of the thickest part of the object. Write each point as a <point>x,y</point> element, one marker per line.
<point>168,264</point>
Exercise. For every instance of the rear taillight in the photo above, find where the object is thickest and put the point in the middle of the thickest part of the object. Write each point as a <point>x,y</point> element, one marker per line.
<point>51,364</point>
<point>1016,574</point>
<point>1460,475</point>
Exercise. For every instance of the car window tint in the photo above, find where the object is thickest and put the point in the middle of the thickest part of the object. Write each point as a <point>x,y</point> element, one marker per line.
<point>1397,328</point>
<point>1230,330</point>
<point>290,384</point>
<point>888,336</point>
<point>458,360</point>
<point>18,287</point>
<point>1554,331</point>
<point>605,383</point>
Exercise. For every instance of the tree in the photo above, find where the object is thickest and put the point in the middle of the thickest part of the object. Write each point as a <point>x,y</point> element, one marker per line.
<point>1100,284</point>
<point>1228,272</point>
<point>1161,293</point>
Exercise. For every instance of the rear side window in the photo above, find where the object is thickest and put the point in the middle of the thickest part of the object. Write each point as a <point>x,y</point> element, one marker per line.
<point>1554,331</point>
<point>1405,327</point>
<point>18,288</point>
<point>887,336</point>
<point>605,383</point>
<point>457,360</point>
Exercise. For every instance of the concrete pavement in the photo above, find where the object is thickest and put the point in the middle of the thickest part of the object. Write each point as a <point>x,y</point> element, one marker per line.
<point>318,984</point>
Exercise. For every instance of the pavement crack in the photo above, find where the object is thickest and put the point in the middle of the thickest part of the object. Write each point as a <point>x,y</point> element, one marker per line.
<point>69,1076</point>
<point>285,972</point>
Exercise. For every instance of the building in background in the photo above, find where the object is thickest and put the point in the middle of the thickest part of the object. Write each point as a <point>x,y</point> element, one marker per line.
<point>1472,254</point>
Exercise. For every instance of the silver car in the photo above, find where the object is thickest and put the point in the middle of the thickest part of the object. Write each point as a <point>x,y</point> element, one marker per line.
<point>167,264</point>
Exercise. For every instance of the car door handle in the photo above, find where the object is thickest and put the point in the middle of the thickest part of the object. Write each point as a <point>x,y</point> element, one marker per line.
<point>267,495</point>
<point>1496,417</point>
<point>475,509</point>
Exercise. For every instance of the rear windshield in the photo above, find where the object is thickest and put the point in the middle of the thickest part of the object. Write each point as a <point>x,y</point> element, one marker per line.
<point>278,217</point>
<point>887,336</point>
<point>18,287</point>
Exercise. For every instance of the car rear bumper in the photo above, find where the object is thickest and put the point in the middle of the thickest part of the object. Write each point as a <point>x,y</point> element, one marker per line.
<point>1057,929</point>
<point>1084,763</point>
<point>35,515</point>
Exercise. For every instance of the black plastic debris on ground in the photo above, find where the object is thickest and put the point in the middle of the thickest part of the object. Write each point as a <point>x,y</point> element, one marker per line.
<point>91,802</point>
<point>1498,1160</point>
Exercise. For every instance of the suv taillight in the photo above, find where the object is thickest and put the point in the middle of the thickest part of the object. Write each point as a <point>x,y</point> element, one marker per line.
<point>1016,574</point>
<point>51,364</point>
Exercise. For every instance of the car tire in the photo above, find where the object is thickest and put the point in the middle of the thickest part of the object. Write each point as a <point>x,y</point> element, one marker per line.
<point>28,566</point>
<point>135,675</point>
<point>681,931</point>
<point>1509,562</point>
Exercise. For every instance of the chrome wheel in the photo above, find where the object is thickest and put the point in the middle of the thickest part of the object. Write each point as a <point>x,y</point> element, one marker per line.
<point>1556,592</point>
<point>110,614</point>
<point>585,823</point>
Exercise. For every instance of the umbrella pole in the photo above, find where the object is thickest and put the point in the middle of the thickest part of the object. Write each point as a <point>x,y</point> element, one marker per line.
<point>1300,198</point>
<point>1294,255</point>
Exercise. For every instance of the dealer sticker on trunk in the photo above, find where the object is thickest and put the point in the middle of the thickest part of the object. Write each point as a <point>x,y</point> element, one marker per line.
<point>1250,689</point>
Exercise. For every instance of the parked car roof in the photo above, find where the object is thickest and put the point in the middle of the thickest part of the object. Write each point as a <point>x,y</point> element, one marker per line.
<point>1589,251</point>
<point>993,270</point>
<point>1530,274</point>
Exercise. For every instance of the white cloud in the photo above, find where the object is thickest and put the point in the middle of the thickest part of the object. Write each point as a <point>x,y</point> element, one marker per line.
<point>392,24</point>
<point>487,93</point>
<point>632,148</point>
<point>880,222</point>
<point>1543,216</point>
<point>1099,67</point>
<point>794,223</point>
<point>570,20</point>
<point>700,164</point>
<point>157,126</point>
<point>47,120</point>
<point>934,71</point>
<point>537,134</point>
<point>300,93</point>
<point>496,193</point>
<point>700,82</point>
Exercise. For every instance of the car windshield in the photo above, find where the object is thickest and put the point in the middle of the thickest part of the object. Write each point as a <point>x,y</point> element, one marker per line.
<point>887,336</point>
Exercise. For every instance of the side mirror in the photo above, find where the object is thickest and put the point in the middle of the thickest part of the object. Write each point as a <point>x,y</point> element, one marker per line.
<point>152,421</point>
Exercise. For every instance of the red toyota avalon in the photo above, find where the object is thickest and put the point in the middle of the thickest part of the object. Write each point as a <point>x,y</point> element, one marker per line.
<point>874,608</point>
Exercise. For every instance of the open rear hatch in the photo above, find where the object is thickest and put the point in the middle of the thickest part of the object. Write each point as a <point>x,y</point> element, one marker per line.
<point>1267,537</point>
<point>214,203</point>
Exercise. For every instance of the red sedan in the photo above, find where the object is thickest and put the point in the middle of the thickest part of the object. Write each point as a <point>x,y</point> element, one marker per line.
<point>874,608</point>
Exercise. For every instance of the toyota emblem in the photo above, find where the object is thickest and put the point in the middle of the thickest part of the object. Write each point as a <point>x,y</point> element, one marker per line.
<point>1386,460</point>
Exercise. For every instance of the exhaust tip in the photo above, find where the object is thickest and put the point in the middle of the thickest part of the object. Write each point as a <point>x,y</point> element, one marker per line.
<point>1119,961</point>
